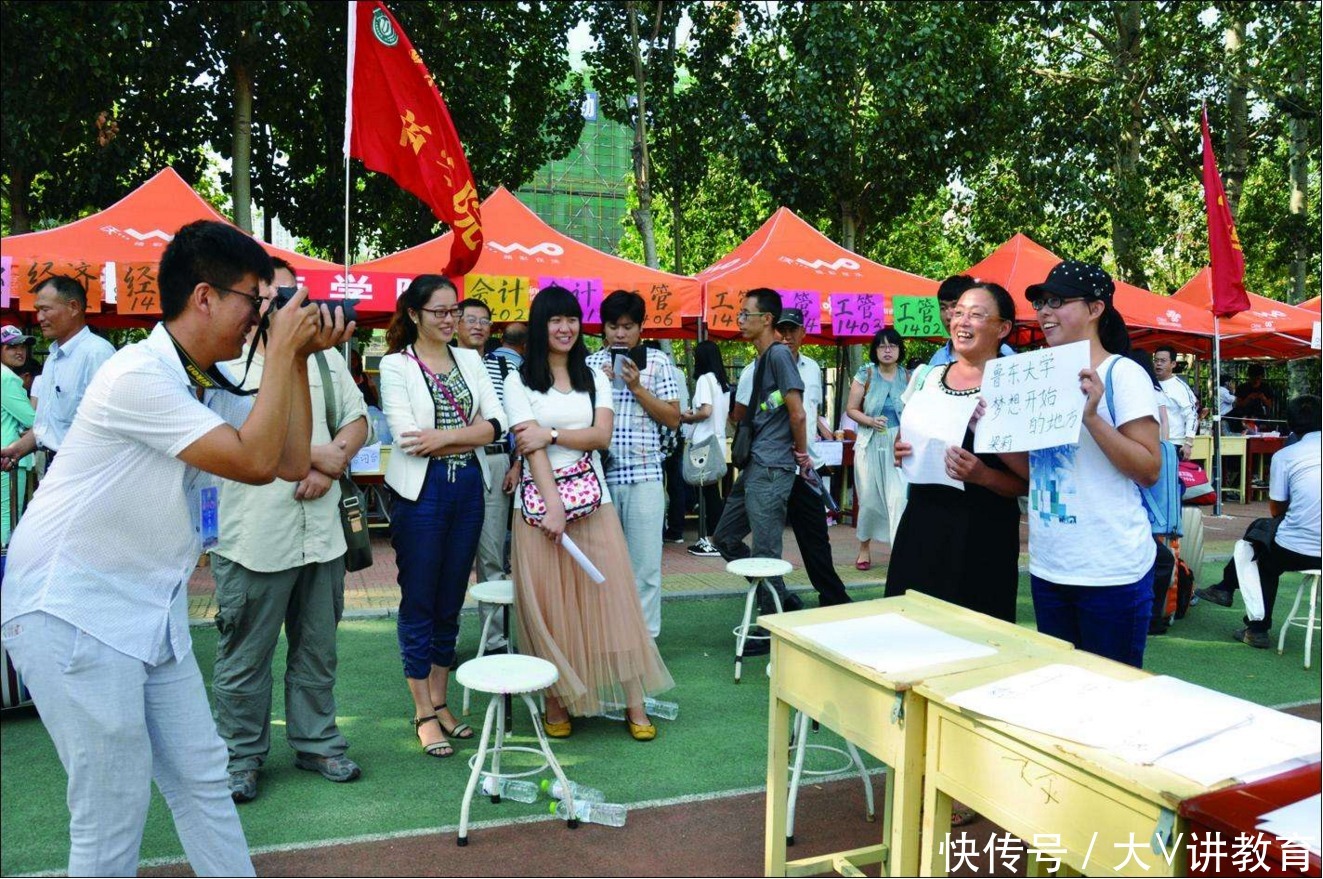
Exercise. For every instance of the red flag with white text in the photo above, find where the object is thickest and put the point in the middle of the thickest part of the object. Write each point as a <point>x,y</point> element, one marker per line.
<point>1225,258</point>
<point>396,123</point>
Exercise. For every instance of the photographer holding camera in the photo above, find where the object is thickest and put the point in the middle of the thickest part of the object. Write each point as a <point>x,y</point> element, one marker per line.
<point>281,560</point>
<point>95,604</point>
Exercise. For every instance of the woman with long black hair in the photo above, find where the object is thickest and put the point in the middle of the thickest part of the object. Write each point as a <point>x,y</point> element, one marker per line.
<point>711,405</point>
<point>592,632</point>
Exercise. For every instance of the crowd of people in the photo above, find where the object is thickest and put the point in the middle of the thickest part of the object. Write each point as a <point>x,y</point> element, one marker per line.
<point>235,420</point>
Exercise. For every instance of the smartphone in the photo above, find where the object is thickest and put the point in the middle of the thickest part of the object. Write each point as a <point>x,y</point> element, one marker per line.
<point>639,354</point>
<point>617,353</point>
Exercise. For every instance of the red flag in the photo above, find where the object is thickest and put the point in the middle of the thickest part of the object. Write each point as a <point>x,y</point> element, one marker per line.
<point>396,123</point>
<point>1225,257</point>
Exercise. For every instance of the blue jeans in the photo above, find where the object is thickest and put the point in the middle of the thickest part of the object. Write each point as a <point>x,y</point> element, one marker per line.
<point>119,724</point>
<point>435,539</point>
<point>1111,621</point>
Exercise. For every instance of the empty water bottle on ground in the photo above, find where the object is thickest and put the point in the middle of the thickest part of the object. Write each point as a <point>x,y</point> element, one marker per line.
<point>582,793</point>
<point>510,789</point>
<point>610,814</point>
<point>657,709</point>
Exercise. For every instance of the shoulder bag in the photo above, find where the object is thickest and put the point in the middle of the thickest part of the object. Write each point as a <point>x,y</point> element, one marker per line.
<point>741,447</point>
<point>577,484</point>
<point>353,505</point>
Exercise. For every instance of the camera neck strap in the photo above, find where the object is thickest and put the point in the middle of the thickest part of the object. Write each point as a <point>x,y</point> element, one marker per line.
<point>212,378</point>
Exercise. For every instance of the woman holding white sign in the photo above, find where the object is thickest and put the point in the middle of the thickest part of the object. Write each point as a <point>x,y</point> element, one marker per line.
<point>962,544</point>
<point>1091,549</point>
<point>875,405</point>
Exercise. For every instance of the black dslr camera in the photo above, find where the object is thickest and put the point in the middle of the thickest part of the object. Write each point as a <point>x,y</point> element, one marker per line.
<point>285,294</point>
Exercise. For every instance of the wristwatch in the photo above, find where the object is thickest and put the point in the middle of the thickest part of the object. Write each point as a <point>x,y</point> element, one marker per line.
<point>555,435</point>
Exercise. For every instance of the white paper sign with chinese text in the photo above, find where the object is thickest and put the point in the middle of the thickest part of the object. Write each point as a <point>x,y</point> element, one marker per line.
<point>368,460</point>
<point>1033,400</point>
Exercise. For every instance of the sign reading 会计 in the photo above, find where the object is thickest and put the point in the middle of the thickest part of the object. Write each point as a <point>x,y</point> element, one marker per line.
<point>1033,400</point>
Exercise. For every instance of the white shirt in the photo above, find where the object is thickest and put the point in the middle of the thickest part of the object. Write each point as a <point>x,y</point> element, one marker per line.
<point>1294,478</point>
<point>1225,400</point>
<point>1182,409</point>
<point>65,376</point>
<point>106,544</point>
<point>1087,524</point>
<point>563,411</point>
<point>708,392</point>
<point>264,527</point>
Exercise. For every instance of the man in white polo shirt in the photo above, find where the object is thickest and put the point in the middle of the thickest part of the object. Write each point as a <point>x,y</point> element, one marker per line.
<point>76,353</point>
<point>94,612</point>
<point>1182,405</point>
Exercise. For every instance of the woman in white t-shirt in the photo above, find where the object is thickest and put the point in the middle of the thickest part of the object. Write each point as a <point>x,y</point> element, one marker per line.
<point>707,418</point>
<point>1091,549</point>
<point>561,413</point>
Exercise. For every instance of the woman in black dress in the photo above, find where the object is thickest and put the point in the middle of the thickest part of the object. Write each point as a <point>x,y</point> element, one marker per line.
<point>964,546</point>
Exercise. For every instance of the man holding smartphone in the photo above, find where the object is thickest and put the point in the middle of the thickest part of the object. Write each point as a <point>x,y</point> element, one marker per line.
<point>646,398</point>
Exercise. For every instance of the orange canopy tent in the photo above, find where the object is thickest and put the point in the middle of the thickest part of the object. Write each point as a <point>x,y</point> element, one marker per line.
<point>131,235</point>
<point>1152,319</point>
<point>521,254</point>
<point>1269,329</point>
<point>1311,304</point>
<point>843,295</point>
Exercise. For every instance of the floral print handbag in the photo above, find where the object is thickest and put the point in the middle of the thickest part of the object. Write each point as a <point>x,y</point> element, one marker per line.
<point>578,485</point>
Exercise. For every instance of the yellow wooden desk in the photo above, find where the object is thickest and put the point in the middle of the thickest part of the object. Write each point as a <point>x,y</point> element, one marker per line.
<point>1032,784</point>
<point>878,712</point>
<point>1232,447</point>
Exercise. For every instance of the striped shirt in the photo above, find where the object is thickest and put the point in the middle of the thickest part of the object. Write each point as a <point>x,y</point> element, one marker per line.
<point>636,438</point>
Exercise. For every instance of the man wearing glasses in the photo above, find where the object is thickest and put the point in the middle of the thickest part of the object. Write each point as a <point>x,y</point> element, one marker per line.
<point>779,452</point>
<point>472,331</point>
<point>95,602</point>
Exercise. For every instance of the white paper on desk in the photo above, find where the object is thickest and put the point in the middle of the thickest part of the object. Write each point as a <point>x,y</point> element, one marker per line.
<point>368,459</point>
<point>1298,821</point>
<point>1161,715</point>
<point>1051,699</point>
<point>931,423</point>
<point>892,643</point>
<point>1271,740</point>
<point>577,554</point>
<point>1034,400</point>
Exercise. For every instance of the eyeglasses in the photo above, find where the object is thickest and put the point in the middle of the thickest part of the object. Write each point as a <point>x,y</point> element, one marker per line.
<point>888,345</point>
<point>443,313</point>
<point>1052,302</point>
<point>475,321</point>
<point>974,317</point>
<point>255,299</point>
<point>742,316</point>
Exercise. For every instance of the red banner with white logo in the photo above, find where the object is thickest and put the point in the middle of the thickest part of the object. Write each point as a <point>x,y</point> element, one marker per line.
<point>397,124</point>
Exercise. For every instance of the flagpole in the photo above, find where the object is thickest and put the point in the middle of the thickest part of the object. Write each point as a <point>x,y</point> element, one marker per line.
<point>1217,417</point>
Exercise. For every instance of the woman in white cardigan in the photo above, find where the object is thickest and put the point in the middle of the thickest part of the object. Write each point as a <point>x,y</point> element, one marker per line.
<point>442,409</point>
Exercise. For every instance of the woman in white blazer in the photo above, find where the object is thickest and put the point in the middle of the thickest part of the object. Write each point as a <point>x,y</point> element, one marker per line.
<point>442,409</point>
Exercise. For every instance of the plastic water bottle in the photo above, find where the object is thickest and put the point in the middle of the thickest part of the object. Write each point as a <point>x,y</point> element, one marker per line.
<point>510,789</point>
<point>815,482</point>
<point>610,814</point>
<point>655,708</point>
<point>582,793</point>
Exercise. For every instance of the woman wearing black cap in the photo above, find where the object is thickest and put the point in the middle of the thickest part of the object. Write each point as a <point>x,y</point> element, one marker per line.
<point>1091,549</point>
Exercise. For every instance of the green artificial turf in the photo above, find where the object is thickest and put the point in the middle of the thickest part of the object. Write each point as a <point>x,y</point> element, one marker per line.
<point>717,744</point>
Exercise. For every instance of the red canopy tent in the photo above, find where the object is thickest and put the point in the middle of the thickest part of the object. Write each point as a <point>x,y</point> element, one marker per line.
<point>131,234</point>
<point>1152,319</point>
<point>520,252</point>
<point>1311,304</point>
<point>1269,329</point>
<point>813,273</point>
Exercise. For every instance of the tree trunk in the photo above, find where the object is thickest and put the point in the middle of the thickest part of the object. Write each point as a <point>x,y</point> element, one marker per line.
<point>1237,112</point>
<point>19,221</point>
<point>241,150</point>
<point>642,182</point>
<point>1127,209</point>
<point>1303,373</point>
<point>849,224</point>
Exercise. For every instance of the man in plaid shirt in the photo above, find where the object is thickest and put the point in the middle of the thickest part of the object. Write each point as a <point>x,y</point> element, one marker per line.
<point>645,400</point>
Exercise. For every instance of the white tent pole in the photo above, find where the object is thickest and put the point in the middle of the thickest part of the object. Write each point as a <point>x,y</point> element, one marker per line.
<point>1217,418</point>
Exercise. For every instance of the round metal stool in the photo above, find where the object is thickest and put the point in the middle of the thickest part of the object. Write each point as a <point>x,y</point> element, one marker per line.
<point>757,571</point>
<point>504,675</point>
<point>800,728</point>
<point>499,592</point>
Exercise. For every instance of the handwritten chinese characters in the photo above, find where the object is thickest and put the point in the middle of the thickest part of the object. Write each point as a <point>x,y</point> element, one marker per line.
<point>137,291</point>
<point>1033,400</point>
<point>587,290</point>
<point>807,301</point>
<point>506,296</point>
<point>917,317</point>
<point>29,273</point>
<point>857,315</point>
